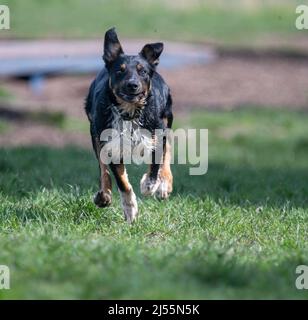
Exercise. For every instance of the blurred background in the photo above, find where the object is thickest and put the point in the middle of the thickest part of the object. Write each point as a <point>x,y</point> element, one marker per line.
<point>218,55</point>
<point>236,67</point>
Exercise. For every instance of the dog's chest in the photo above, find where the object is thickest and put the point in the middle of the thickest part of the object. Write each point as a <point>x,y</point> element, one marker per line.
<point>127,138</point>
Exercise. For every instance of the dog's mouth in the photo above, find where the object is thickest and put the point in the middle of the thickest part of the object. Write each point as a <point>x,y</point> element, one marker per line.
<point>132,97</point>
<point>131,105</point>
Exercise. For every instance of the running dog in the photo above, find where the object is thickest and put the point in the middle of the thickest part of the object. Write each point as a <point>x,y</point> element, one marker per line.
<point>130,91</point>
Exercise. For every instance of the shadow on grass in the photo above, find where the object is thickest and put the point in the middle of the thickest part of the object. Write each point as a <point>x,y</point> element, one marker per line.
<point>245,185</point>
<point>43,117</point>
<point>29,169</point>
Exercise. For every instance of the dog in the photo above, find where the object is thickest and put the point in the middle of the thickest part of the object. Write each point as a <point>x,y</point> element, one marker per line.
<point>129,90</point>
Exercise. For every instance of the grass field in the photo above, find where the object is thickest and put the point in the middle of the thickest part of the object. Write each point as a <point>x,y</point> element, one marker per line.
<point>237,232</point>
<point>203,20</point>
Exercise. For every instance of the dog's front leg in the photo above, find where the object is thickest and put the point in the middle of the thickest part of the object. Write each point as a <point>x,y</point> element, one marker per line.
<point>159,179</point>
<point>150,180</point>
<point>127,195</point>
<point>165,175</point>
<point>103,197</point>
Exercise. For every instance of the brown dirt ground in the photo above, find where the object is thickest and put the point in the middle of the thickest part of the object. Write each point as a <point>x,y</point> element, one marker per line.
<point>227,83</point>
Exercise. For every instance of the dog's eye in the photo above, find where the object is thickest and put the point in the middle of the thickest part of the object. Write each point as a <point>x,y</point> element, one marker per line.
<point>122,68</point>
<point>142,72</point>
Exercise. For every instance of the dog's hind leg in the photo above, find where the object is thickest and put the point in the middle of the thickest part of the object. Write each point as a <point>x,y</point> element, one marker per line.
<point>128,197</point>
<point>103,197</point>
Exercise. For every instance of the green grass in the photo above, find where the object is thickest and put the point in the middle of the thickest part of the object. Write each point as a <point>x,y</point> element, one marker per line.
<point>155,19</point>
<point>237,232</point>
<point>4,94</point>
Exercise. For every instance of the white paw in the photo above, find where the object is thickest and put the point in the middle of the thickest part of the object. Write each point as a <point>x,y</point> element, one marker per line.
<point>162,191</point>
<point>148,186</point>
<point>129,205</point>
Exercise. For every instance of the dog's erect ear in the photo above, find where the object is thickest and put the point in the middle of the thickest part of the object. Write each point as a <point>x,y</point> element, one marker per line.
<point>151,52</point>
<point>112,47</point>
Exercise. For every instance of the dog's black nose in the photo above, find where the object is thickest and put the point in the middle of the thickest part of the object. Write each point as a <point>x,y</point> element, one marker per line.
<point>132,86</point>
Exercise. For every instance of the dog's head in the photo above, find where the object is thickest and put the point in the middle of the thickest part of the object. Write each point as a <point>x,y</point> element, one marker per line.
<point>130,76</point>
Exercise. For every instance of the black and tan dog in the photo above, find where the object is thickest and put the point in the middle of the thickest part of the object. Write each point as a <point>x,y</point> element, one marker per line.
<point>129,89</point>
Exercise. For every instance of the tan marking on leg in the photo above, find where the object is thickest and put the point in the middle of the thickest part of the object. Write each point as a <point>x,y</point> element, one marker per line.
<point>122,174</point>
<point>105,179</point>
<point>128,197</point>
<point>103,197</point>
<point>165,175</point>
